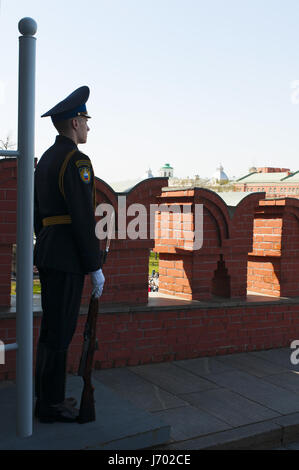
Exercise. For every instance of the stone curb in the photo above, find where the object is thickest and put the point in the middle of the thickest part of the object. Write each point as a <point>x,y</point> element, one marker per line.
<point>265,435</point>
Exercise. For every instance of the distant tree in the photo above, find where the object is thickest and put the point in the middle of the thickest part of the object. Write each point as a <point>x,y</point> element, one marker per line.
<point>7,143</point>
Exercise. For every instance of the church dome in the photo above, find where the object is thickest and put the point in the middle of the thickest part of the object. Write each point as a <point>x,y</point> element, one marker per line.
<point>219,176</point>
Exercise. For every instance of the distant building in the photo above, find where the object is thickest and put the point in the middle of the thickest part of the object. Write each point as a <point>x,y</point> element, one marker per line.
<point>166,171</point>
<point>275,182</point>
<point>126,185</point>
<point>219,177</point>
<point>218,181</point>
<point>148,174</point>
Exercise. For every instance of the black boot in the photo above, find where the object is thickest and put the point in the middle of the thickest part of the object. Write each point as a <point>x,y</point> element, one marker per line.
<point>57,413</point>
<point>69,403</point>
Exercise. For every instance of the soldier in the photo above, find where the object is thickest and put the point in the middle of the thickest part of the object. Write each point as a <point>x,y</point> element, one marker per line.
<point>66,250</point>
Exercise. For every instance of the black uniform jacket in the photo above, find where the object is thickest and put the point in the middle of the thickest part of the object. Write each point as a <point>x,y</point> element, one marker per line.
<point>64,186</point>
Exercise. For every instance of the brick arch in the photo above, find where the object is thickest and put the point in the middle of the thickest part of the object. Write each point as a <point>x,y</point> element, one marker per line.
<point>227,239</point>
<point>104,192</point>
<point>240,243</point>
<point>128,259</point>
<point>217,208</point>
<point>126,268</point>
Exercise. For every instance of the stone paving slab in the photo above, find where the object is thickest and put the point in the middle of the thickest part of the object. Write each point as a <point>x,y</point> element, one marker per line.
<point>273,397</point>
<point>119,425</point>
<point>204,366</point>
<point>280,356</point>
<point>168,377</point>
<point>139,391</point>
<point>250,401</point>
<point>264,435</point>
<point>253,365</point>
<point>188,421</point>
<point>286,380</point>
<point>229,407</point>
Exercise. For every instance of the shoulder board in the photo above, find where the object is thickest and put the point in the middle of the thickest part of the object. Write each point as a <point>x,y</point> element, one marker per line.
<point>80,163</point>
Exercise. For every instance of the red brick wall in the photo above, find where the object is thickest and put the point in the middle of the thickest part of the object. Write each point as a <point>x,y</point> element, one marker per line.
<point>263,276</point>
<point>257,236</point>
<point>272,190</point>
<point>264,259</point>
<point>219,267</point>
<point>175,272</point>
<point>157,335</point>
<point>273,263</point>
<point>267,169</point>
<point>8,218</point>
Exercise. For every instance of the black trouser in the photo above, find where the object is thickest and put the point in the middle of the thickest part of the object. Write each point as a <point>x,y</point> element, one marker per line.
<point>61,297</point>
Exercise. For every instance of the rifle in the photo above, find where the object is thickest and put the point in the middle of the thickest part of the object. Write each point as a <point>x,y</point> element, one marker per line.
<point>87,405</point>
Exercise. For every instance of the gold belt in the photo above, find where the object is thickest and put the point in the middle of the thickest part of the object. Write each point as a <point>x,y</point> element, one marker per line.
<point>57,220</point>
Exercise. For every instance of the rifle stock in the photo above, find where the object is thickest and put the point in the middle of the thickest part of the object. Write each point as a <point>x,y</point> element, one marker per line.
<point>87,404</point>
<point>87,411</point>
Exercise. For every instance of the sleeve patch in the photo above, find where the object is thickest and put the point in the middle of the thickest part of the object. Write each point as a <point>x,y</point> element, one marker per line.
<point>85,174</point>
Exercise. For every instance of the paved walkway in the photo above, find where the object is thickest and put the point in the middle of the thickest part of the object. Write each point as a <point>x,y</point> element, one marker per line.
<point>248,400</point>
<point>239,401</point>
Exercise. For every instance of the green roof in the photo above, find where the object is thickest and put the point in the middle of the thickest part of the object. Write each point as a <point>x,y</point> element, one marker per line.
<point>243,177</point>
<point>260,178</point>
<point>292,178</point>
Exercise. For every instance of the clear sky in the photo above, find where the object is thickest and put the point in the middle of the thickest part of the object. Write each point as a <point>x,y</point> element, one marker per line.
<point>193,83</point>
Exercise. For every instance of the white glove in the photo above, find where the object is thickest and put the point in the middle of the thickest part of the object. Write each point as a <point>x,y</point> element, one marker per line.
<point>97,280</point>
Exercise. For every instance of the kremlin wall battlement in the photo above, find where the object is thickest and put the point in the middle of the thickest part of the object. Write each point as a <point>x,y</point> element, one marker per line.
<point>238,292</point>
